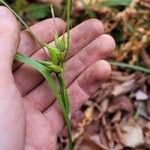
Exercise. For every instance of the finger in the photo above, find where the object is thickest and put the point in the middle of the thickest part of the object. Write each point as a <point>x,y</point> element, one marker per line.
<point>11,106</point>
<point>98,49</point>
<point>44,31</point>
<point>9,37</point>
<point>92,29</point>
<point>79,91</point>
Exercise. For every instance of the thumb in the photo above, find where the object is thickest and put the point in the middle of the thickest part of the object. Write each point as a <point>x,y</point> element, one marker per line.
<point>9,38</point>
<point>12,116</point>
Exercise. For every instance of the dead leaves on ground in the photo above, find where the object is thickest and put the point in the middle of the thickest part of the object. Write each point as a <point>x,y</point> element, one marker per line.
<point>130,26</point>
<point>145,3</point>
<point>117,116</point>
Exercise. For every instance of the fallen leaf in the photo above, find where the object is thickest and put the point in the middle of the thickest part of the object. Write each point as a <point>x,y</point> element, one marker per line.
<point>89,143</point>
<point>76,118</point>
<point>148,106</point>
<point>124,87</point>
<point>132,135</point>
<point>140,95</point>
<point>141,109</point>
<point>145,56</point>
<point>83,3</point>
<point>121,103</point>
<point>117,117</point>
<point>145,3</point>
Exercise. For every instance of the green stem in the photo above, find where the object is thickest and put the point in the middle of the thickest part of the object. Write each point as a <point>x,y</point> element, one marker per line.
<point>55,92</point>
<point>133,67</point>
<point>68,124</point>
<point>69,2</point>
<point>63,92</point>
<point>65,99</point>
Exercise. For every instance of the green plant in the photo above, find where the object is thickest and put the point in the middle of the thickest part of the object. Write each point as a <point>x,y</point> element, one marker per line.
<point>132,67</point>
<point>115,3</point>
<point>54,65</point>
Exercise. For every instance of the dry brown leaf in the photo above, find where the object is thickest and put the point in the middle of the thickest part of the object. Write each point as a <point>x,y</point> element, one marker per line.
<point>140,95</point>
<point>148,106</point>
<point>88,144</point>
<point>121,103</point>
<point>81,3</point>
<point>132,135</point>
<point>145,57</point>
<point>117,117</point>
<point>145,3</point>
<point>76,118</point>
<point>92,128</point>
<point>123,88</point>
<point>121,77</point>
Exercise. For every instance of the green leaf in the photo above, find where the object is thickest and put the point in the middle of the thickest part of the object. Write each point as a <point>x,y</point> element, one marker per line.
<point>63,44</point>
<point>33,63</point>
<point>53,53</point>
<point>51,66</point>
<point>56,41</point>
<point>19,6</point>
<point>132,67</point>
<point>88,9</point>
<point>45,72</point>
<point>130,27</point>
<point>37,11</point>
<point>115,3</point>
<point>60,44</point>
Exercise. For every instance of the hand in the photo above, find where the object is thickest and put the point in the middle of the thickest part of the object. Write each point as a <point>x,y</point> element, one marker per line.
<point>30,117</point>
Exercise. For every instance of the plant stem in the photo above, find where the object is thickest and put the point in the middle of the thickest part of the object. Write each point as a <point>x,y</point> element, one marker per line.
<point>63,91</point>
<point>65,99</point>
<point>133,67</point>
<point>69,2</point>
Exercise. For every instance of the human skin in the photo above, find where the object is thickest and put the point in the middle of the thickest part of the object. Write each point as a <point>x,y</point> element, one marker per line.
<point>29,115</point>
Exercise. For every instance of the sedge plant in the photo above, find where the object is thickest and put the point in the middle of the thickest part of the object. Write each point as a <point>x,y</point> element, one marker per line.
<point>54,65</point>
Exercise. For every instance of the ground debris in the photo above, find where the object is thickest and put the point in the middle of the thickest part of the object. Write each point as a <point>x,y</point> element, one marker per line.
<point>132,135</point>
<point>114,121</point>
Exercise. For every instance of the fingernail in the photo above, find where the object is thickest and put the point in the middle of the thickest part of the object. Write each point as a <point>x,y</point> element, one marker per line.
<point>3,12</point>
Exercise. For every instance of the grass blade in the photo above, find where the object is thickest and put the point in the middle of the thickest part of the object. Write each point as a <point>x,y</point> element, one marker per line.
<point>115,3</point>
<point>132,67</point>
<point>33,63</point>
<point>63,92</point>
<point>69,3</point>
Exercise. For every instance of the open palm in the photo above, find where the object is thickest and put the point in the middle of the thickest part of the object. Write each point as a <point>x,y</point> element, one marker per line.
<point>31,118</point>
